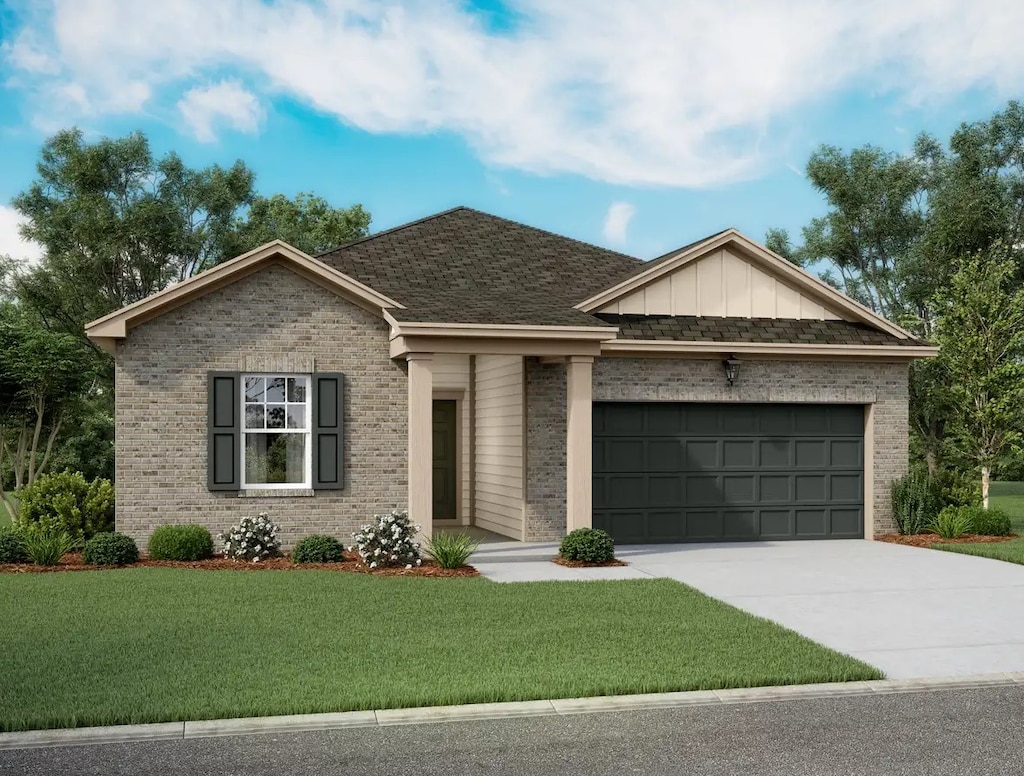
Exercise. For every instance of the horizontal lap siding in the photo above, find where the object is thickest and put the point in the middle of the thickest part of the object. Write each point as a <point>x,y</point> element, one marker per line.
<point>499,444</point>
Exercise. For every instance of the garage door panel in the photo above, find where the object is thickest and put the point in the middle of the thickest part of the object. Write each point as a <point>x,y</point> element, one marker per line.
<point>846,453</point>
<point>702,454</point>
<point>775,488</point>
<point>624,490</point>
<point>811,453</point>
<point>845,523</point>
<point>776,523</point>
<point>812,523</point>
<point>811,488</point>
<point>664,455</point>
<point>666,526</point>
<point>740,524</point>
<point>846,419</point>
<point>624,455</point>
<point>702,490</point>
<point>701,421</point>
<point>846,487</point>
<point>739,488</point>
<point>743,420</point>
<point>773,420</point>
<point>631,526</point>
<point>775,453</point>
<point>739,454</point>
<point>702,525</point>
<point>626,419</point>
<point>664,490</point>
<point>665,419</point>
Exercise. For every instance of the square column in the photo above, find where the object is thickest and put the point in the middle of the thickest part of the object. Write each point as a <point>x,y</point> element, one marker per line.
<point>579,451</point>
<point>421,442</point>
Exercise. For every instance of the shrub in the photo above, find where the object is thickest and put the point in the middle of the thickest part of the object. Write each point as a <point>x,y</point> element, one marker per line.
<point>914,503</point>
<point>954,488</point>
<point>389,541</point>
<point>588,544</point>
<point>952,523</point>
<point>451,551</point>
<point>180,542</point>
<point>318,549</point>
<point>47,544</point>
<point>110,549</point>
<point>67,502</point>
<point>12,547</point>
<point>987,522</point>
<point>254,538</point>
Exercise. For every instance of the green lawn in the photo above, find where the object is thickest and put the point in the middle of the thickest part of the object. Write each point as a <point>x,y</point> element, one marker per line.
<point>149,644</point>
<point>1008,496</point>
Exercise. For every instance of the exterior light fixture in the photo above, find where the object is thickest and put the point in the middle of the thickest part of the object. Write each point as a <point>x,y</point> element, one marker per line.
<point>732,369</point>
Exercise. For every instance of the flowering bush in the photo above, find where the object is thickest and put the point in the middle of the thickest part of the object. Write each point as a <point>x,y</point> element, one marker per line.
<point>389,541</point>
<point>254,538</point>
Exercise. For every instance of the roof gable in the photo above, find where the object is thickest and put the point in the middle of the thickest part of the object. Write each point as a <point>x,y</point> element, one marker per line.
<point>729,275</point>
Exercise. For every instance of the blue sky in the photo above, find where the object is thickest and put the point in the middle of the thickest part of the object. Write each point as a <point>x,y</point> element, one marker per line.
<point>635,125</point>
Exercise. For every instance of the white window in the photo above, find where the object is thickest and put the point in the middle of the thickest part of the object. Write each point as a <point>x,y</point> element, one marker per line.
<point>276,448</point>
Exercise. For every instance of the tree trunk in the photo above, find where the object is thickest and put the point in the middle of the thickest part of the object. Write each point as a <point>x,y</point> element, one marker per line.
<point>932,459</point>
<point>986,475</point>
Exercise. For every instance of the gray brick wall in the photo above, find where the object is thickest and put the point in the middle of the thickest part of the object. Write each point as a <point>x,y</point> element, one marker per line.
<point>655,379</point>
<point>270,321</point>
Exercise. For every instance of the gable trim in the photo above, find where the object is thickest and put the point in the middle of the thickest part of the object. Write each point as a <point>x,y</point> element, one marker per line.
<point>789,273</point>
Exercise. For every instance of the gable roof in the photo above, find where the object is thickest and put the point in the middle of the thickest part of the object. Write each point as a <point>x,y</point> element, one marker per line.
<point>464,266</point>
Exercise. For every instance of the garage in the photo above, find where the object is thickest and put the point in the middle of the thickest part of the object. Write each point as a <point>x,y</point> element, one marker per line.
<point>702,472</point>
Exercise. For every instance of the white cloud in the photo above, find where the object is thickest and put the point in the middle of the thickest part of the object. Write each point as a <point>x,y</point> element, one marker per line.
<point>11,243</point>
<point>616,222</point>
<point>625,91</point>
<point>226,102</point>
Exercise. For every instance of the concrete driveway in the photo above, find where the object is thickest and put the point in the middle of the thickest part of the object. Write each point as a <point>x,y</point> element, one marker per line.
<point>908,611</point>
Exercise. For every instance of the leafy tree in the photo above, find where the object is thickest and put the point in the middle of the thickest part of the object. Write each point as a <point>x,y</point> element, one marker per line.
<point>980,331</point>
<point>308,222</point>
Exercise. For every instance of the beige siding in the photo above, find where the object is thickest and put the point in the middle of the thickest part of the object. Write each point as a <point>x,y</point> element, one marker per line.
<point>499,444</point>
<point>451,375</point>
<point>725,284</point>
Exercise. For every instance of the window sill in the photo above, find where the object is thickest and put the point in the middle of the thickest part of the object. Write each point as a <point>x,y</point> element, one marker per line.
<point>276,493</point>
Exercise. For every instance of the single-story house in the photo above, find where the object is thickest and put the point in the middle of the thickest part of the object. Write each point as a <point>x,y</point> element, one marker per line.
<point>477,371</point>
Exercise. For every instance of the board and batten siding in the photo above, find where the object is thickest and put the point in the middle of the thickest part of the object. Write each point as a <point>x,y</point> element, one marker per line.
<point>499,445</point>
<point>452,376</point>
<point>722,284</point>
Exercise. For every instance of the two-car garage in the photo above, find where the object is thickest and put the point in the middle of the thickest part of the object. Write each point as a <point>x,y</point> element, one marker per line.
<point>691,472</point>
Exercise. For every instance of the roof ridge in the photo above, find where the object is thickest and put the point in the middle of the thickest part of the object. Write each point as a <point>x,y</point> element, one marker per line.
<point>394,229</point>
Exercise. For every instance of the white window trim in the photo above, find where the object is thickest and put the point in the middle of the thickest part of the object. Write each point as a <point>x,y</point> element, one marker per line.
<point>307,482</point>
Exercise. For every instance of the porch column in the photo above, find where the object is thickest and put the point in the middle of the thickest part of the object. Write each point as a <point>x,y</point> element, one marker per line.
<point>421,447</point>
<point>578,442</point>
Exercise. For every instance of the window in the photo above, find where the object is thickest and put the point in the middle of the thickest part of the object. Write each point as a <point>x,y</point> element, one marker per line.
<point>276,449</point>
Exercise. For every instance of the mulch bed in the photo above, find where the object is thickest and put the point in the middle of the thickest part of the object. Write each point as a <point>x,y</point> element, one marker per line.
<point>582,564</point>
<point>352,564</point>
<point>928,539</point>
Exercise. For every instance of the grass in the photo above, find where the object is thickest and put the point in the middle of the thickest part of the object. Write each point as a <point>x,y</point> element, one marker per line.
<point>151,645</point>
<point>1010,497</point>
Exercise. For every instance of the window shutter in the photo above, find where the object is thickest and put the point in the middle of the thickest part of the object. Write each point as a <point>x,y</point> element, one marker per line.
<point>224,428</point>
<point>328,431</point>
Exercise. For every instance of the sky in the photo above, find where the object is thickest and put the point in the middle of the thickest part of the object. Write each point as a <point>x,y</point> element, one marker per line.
<point>638,125</point>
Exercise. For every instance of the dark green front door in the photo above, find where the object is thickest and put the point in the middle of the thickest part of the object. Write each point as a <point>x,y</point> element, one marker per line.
<point>445,459</point>
<point>680,472</point>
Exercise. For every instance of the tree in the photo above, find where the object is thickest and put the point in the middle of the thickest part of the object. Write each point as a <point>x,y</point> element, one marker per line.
<point>308,222</point>
<point>980,331</point>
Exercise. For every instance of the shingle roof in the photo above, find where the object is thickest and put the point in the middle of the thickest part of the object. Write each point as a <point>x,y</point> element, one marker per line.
<point>464,266</point>
<point>692,328</point>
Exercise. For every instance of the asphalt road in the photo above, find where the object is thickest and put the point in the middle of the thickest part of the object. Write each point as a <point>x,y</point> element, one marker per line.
<point>975,732</point>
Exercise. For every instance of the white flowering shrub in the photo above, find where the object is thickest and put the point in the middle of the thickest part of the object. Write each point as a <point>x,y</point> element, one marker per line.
<point>388,541</point>
<point>254,538</point>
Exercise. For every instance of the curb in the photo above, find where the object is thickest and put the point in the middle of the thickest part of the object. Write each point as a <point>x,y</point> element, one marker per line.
<point>489,711</point>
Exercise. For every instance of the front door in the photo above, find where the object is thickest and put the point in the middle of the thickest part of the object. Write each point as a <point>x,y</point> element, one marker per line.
<point>445,459</point>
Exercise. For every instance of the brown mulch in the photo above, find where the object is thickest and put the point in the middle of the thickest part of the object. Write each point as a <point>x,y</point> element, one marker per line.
<point>582,564</point>
<point>352,564</point>
<point>928,539</point>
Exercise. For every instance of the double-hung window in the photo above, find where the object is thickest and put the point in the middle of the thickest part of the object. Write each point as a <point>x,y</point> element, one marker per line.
<point>276,425</point>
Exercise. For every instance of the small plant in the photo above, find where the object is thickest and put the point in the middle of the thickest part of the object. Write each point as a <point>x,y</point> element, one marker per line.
<point>254,538</point>
<point>318,549</point>
<point>388,541</point>
<point>986,522</point>
<point>451,551</point>
<point>12,547</point>
<point>180,542</point>
<point>68,502</point>
<point>952,523</point>
<point>46,544</point>
<point>914,503</point>
<point>591,545</point>
<point>110,549</point>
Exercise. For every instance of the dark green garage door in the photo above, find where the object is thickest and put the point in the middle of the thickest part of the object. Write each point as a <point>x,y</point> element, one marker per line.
<point>674,472</point>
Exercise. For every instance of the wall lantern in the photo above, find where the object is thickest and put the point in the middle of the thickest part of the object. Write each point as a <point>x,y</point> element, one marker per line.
<point>732,369</point>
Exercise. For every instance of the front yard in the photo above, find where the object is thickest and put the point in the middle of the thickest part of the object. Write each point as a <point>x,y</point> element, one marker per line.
<point>153,644</point>
<point>1008,496</point>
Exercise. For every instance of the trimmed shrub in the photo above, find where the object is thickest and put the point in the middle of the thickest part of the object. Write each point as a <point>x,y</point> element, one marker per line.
<point>914,502</point>
<point>12,547</point>
<point>591,545</point>
<point>986,522</point>
<point>318,549</point>
<point>952,523</point>
<point>451,550</point>
<point>388,541</point>
<point>180,542</point>
<point>47,544</point>
<point>953,488</point>
<point>67,502</point>
<point>254,538</point>
<point>110,549</point>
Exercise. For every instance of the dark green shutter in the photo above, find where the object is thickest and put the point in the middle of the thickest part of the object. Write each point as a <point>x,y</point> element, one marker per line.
<point>328,431</point>
<point>224,421</point>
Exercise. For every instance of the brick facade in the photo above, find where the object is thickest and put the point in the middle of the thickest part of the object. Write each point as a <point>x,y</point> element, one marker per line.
<point>655,379</point>
<point>272,320</point>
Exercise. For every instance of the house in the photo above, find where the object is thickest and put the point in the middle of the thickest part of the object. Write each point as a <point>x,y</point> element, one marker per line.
<point>481,372</point>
